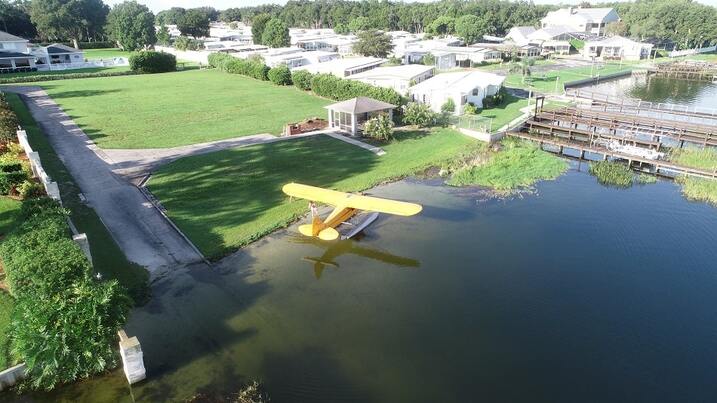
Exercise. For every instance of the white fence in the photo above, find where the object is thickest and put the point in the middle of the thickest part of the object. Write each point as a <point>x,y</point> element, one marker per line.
<point>197,56</point>
<point>687,52</point>
<point>114,62</point>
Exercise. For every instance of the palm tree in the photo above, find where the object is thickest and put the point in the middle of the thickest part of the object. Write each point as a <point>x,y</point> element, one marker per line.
<point>523,67</point>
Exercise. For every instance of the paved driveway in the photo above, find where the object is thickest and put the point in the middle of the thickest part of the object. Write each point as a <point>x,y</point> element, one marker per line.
<point>141,231</point>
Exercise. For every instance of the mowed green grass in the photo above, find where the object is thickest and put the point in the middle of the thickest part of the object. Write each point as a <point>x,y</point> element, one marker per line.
<point>504,113</point>
<point>553,81</point>
<point>9,212</point>
<point>107,53</point>
<point>175,109</point>
<point>230,198</point>
<point>6,306</point>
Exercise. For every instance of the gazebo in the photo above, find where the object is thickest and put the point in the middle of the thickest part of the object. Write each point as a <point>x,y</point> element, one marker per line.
<point>350,115</point>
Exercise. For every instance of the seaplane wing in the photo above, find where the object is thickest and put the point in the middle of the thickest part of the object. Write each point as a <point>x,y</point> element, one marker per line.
<point>353,201</point>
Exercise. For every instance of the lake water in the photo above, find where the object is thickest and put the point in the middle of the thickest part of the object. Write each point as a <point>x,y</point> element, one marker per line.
<point>575,292</point>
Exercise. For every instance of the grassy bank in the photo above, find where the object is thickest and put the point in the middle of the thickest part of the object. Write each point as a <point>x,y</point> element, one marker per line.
<point>699,189</point>
<point>612,173</point>
<point>173,109</point>
<point>6,305</point>
<point>553,81</point>
<point>108,258</point>
<point>504,113</point>
<point>519,164</point>
<point>229,198</point>
<point>700,158</point>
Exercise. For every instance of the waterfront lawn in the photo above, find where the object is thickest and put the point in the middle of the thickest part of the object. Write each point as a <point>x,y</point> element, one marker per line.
<point>518,165</point>
<point>6,305</point>
<point>546,81</point>
<point>504,113</point>
<point>107,256</point>
<point>174,109</point>
<point>230,198</point>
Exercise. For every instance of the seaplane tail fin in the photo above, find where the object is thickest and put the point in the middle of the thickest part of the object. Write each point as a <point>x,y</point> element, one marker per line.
<point>349,200</point>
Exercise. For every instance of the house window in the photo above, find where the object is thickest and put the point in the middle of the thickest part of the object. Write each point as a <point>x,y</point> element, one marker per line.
<point>475,92</point>
<point>22,62</point>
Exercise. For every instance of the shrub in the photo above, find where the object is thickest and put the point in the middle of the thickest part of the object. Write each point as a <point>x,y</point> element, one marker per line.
<point>280,75</point>
<point>68,76</point>
<point>302,79</point>
<point>11,180</point>
<point>470,109</point>
<point>449,106</point>
<point>8,125</point>
<point>149,61</point>
<point>418,114</point>
<point>251,67</point>
<point>339,89</point>
<point>379,128</point>
<point>29,189</point>
<point>186,43</point>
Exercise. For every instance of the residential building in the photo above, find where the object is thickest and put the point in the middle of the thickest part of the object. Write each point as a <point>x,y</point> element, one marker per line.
<point>344,67</point>
<point>397,77</point>
<point>58,53</point>
<point>14,53</point>
<point>519,35</point>
<point>462,87</point>
<point>350,115</point>
<point>583,20</point>
<point>553,39</point>
<point>509,49</point>
<point>616,47</point>
<point>342,44</point>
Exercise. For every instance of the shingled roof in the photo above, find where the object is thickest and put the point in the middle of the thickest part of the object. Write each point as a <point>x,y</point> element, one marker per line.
<point>5,37</point>
<point>360,105</point>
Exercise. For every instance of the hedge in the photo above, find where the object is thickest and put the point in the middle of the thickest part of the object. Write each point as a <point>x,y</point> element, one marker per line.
<point>68,76</point>
<point>149,61</point>
<point>85,45</point>
<point>339,89</point>
<point>302,79</point>
<point>252,67</point>
<point>280,75</point>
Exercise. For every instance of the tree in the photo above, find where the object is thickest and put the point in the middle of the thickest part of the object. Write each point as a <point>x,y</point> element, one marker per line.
<point>186,43</point>
<point>276,34</point>
<point>442,25</point>
<point>163,36</point>
<point>230,15</point>
<point>341,29</point>
<point>257,27</point>
<point>302,79</point>
<point>171,16</point>
<point>373,43</point>
<point>523,67</point>
<point>379,128</point>
<point>471,28</point>
<point>68,19</point>
<point>449,106</point>
<point>14,19</point>
<point>418,114</point>
<point>194,22</point>
<point>359,24</point>
<point>131,25</point>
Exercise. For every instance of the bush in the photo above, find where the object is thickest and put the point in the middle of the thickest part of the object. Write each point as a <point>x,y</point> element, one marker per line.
<point>186,43</point>
<point>449,106</point>
<point>339,89</point>
<point>149,61</point>
<point>11,180</point>
<point>68,76</point>
<point>280,75</point>
<point>29,189</point>
<point>8,125</point>
<point>418,114</point>
<point>470,109</point>
<point>251,67</point>
<point>302,79</point>
<point>379,128</point>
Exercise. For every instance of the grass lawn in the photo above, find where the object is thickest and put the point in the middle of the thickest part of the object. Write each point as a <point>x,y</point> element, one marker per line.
<point>230,198</point>
<point>108,53</point>
<point>503,114</point>
<point>61,72</point>
<point>553,81</point>
<point>6,305</point>
<point>108,258</point>
<point>9,210</point>
<point>174,109</point>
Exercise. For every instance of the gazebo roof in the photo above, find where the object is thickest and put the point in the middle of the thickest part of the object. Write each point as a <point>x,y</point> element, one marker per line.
<point>360,105</point>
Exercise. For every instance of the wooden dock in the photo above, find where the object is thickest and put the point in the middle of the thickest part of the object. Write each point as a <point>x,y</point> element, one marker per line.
<point>686,70</point>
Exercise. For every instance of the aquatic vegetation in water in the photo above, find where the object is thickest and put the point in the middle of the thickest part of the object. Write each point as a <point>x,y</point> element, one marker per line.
<point>700,158</point>
<point>518,164</point>
<point>646,179</point>
<point>698,189</point>
<point>612,173</point>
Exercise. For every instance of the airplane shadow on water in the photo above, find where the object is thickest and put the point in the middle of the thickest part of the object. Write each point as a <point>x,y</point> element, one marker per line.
<point>334,249</point>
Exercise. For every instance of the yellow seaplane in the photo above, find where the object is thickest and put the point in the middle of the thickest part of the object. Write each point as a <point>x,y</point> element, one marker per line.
<point>346,205</point>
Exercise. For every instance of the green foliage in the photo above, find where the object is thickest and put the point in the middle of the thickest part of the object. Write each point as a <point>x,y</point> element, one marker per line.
<point>379,128</point>
<point>252,67</point>
<point>163,36</point>
<point>65,76</point>
<point>8,123</point>
<point>302,79</point>
<point>373,43</point>
<point>276,34</point>
<point>699,189</point>
<point>442,25</point>
<point>449,106</point>
<point>612,173</point>
<point>11,177</point>
<point>492,101</point>
<point>170,17</point>
<point>470,109</point>
<point>64,322</point>
<point>342,29</point>
<point>330,86</point>
<point>131,25</point>
<point>522,67</point>
<point>280,75</point>
<point>428,60</point>
<point>258,24</point>
<point>16,20</point>
<point>359,24</point>
<point>418,114</point>
<point>471,28</point>
<point>187,43</point>
<point>29,188</point>
<point>7,304</point>
<point>68,19</point>
<point>194,22</point>
<point>149,61</point>
<point>230,15</point>
<point>519,164</point>
<point>700,158</point>
<point>577,43</point>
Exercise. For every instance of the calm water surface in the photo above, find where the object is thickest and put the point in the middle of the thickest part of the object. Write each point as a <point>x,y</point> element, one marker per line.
<point>578,292</point>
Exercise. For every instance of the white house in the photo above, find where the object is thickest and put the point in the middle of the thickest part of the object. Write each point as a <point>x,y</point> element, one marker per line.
<point>617,47</point>
<point>583,20</point>
<point>344,67</point>
<point>342,44</point>
<point>519,35</point>
<point>397,77</point>
<point>59,54</point>
<point>462,87</point>
<point>555,39</point>
<point>14,53</point>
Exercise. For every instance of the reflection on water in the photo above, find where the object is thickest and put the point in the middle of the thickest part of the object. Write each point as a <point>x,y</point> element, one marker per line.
<point>334,249</point>
<point>662,89</point>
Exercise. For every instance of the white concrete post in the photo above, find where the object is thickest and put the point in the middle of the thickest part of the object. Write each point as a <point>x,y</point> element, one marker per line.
<point>34,158</point>
<point>53,191</point>
<point>331,120</point>
<point>84,244</point>
<point>354,124</point>
<point>132,358</point>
